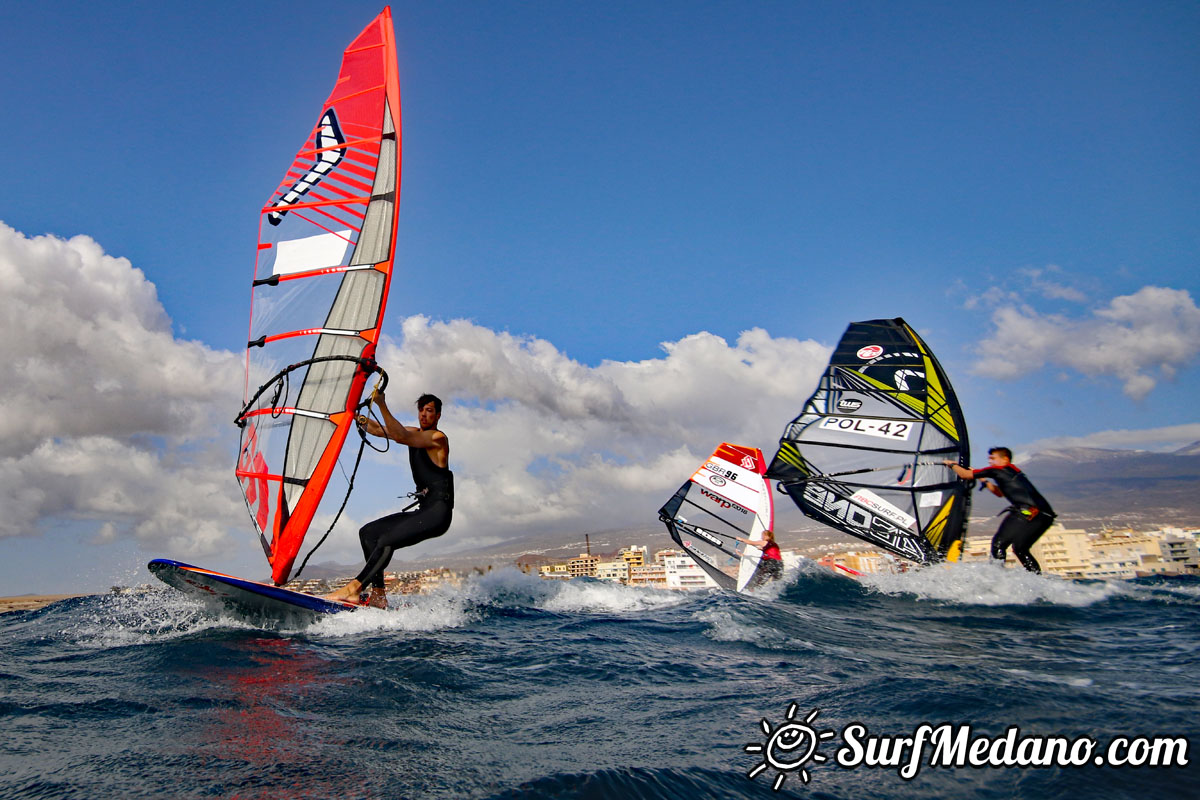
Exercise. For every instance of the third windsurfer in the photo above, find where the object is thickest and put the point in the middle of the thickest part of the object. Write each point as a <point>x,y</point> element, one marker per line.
<point>429,458</point>
<point>770,566</point>
<point>1027,518</point>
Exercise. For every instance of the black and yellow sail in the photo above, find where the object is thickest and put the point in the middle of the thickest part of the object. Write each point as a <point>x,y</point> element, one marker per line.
<point>865,455</point>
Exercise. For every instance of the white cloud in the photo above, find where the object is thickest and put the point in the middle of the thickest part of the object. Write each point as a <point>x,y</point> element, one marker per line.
<point>1156,330</point>
<point>105,415</point>
<point>1051,289</point>
<point>1025,285</point>
<point>111,422</point>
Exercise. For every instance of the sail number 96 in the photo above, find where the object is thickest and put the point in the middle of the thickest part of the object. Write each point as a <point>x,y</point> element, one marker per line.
<point>884,429</point>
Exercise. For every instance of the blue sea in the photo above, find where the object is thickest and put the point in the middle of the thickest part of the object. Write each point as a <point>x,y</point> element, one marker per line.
<point>514,687</point>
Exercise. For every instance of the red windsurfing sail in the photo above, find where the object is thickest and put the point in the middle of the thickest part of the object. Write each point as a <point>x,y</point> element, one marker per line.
<point>327,239</point>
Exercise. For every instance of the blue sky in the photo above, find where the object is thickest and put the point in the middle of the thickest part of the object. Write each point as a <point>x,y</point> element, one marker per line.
<point>583,183</point>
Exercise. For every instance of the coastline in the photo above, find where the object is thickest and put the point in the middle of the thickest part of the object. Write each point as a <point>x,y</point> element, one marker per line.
<point>32,602</point>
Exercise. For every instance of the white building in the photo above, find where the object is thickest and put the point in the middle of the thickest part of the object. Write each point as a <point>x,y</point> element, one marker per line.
<point>684,573</point>
<point>613,570</point>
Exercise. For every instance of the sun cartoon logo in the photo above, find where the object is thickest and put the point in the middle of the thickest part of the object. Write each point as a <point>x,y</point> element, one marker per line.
<point>789,747</point>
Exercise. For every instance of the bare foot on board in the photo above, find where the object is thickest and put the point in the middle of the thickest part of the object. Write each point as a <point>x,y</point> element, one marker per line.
<point>347,594</point>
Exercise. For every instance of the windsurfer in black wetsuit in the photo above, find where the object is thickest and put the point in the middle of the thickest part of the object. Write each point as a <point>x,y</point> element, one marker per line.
<point>1026,519</point>
<point>429,457</point>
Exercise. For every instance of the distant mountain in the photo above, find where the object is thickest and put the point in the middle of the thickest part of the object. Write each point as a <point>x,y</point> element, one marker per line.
<point>1088,486</point>
<point>1080,455</point>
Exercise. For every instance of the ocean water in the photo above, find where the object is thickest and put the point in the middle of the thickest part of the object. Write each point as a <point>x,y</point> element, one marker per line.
<point>512,687</point>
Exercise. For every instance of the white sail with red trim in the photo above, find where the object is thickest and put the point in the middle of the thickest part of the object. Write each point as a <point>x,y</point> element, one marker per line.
<point>327,241</point>
<point>727,498</point>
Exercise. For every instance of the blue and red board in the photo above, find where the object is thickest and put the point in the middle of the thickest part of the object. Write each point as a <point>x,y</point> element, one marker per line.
<point>246,598</point>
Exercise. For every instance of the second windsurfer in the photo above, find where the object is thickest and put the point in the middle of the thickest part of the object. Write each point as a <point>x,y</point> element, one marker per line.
<point>429,458</point>
<point>770,566</point>
<point>1026,519</point>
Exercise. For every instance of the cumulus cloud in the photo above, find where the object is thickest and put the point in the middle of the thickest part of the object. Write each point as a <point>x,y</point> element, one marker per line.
<point>111,422</point>
<point>1136,338</point>
<point>540,441</point>
<point>105,415</point>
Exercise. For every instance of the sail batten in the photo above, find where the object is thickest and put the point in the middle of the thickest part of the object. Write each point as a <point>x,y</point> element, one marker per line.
<point>325,256</point>
<point>864,455</point>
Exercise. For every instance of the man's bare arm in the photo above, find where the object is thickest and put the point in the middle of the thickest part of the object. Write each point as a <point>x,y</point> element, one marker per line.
<point>959,470</point>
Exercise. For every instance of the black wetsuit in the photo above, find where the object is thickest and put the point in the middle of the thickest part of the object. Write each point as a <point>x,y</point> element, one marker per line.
<point>1026,519</point>
<point>381,538</point>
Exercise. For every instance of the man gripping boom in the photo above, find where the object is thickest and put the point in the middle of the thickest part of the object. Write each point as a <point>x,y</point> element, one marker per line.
<point>429,458</point>
<point>1027,518</point>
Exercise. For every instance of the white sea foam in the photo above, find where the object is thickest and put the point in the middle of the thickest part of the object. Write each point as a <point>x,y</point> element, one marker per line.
<point>436,611</point>
<point>453,607</point>
<point>989,584</point>
<point>596,596</point>
<point>725,626</point>
<point>510,587</point>
<point>1045,677</point>
<point>108,621</point>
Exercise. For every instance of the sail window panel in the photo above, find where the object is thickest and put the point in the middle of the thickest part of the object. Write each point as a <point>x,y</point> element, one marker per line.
<point>710,558</point>
<point>266,362</point>
<point>272,435</point>
<point>320,251</point>
<point>300,304</point>
<point>929,471</point>
<point>304,234</point>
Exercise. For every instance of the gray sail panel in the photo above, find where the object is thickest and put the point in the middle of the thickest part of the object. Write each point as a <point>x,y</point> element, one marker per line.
<point>325,390</point>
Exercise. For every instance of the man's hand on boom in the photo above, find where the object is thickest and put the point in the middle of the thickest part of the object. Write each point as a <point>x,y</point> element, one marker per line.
<point>967,475</point>
<point>370,426</point>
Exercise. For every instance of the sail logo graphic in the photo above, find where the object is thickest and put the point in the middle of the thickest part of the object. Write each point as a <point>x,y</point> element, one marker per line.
<point>747,462</point>
<point>721,501</point>
<point>838,509</point>
<point>706,536</point>
<point>849,405</point>
<point>900,378</point>
<point>789,747</point>
<point>329,141</point>
<point>869,352</point>
<point>714,467</point>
